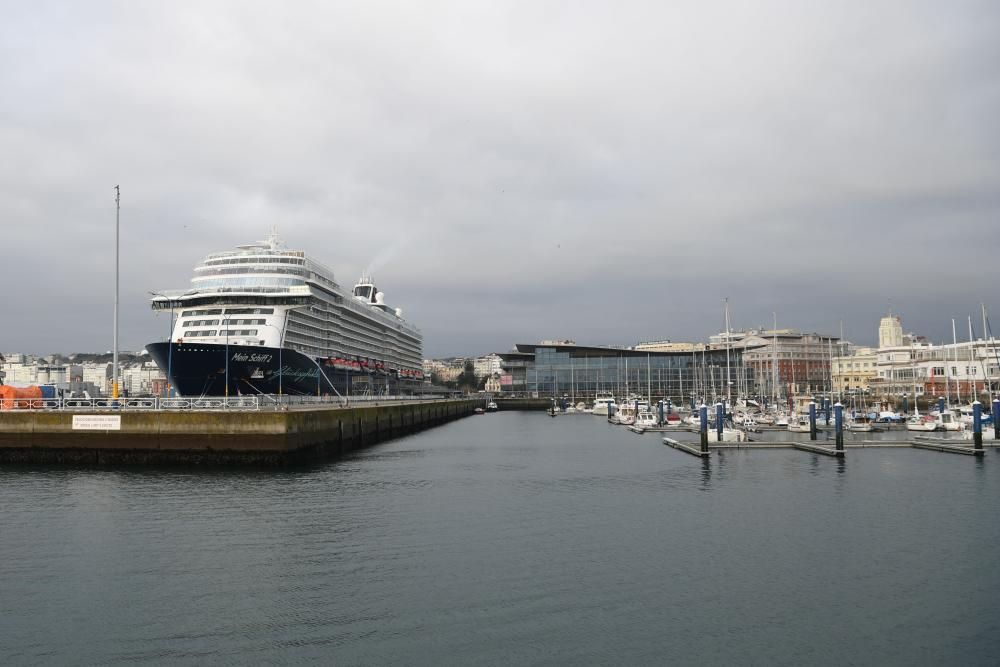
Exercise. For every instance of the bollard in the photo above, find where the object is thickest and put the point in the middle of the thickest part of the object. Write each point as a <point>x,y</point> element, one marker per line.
<point>839,420</point>
<point>977,426</point>
<point>940,405</point>
<point>704,427</point>
<point>826,410</point>
<point>719,419</point>
<point>812,420</point>
<point>659,406</point>
<point>994,415</point>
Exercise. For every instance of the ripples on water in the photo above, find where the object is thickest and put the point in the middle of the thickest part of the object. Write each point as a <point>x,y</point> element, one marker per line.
<point>509,538</point>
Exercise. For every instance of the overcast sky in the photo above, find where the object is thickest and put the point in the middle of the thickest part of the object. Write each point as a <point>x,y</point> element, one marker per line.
<point>511,171</point>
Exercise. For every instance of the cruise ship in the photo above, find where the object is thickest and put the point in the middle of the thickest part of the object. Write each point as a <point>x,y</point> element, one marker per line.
<point>263,319</point>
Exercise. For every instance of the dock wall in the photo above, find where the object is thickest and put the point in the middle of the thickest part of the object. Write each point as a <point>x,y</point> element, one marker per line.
<point>218,438</point>
<point>523,403</point>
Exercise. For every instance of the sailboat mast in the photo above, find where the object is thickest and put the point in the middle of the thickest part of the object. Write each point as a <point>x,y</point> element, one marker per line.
<point>986,376</point>
<point>975,393</point>
<point>729,398</point>
<point>954,349</point>
<point>947,383</point>
<point>649,381</point>
<point>829,363</point>
<point>774,361</point>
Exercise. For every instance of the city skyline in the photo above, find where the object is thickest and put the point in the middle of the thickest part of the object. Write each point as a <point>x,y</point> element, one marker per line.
<point>509,172</point>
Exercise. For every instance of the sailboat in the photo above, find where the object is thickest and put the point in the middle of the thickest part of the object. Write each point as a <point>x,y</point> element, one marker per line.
<point>918,422</point>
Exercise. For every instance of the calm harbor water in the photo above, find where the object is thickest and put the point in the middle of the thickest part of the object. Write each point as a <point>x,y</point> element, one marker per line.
<point>510,538</point>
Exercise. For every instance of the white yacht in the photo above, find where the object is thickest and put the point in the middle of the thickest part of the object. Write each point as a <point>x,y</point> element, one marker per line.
<point>603,404</point>
<point>800,424</point>
<point>920,422</point>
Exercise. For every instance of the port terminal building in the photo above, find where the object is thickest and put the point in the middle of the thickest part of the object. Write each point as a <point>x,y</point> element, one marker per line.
<point>563,368</point>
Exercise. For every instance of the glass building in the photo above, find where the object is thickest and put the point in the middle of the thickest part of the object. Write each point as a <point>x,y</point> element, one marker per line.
<point>581,372</point>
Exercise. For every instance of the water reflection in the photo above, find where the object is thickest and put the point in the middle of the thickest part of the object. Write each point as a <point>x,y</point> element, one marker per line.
<point>506,538</point>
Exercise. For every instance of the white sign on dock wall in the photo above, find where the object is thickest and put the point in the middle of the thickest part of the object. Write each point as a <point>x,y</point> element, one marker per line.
<point>97,422</point>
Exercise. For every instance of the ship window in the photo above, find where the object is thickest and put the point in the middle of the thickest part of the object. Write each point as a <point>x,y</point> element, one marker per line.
<point>249,311</point>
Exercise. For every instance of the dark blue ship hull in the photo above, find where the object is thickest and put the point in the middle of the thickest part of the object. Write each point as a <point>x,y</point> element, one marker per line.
<point>200,369</point>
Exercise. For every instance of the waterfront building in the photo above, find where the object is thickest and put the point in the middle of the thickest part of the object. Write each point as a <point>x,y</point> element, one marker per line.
<point>489,364</point>
<point>907,365</point>
<point>669,346</point>
<point>581,371</point>
<point>854,372</point>
<point>798,362</point>
<point>139,375</point>
<point>448,373</point>
<point>143,379</point>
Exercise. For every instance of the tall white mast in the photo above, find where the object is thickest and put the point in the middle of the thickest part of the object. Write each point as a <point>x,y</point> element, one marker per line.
<point>729,398</point>
<point>649,381</point>
<point>829,363</point>
<point>947,384</point>
<point>114,372</point>
<point>774,361</point>
<point>954,348</point>
<point>986,373</point>
<point>975,394</point>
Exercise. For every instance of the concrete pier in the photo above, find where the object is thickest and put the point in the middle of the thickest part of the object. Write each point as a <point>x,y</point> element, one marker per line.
<point>938,445</point>
<point>684,447</point>
<point>216,438</point>
<point>818,449</point>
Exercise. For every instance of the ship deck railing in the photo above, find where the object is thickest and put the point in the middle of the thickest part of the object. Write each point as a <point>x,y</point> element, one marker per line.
<point>255,403</point>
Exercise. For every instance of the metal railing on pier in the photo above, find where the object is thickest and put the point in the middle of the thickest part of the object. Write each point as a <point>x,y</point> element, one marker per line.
<point>258,402</point>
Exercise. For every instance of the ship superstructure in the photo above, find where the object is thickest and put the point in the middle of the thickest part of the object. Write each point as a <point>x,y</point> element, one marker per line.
<point>281,316</point>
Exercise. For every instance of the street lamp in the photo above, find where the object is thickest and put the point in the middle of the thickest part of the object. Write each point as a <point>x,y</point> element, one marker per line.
<point>170,341</point>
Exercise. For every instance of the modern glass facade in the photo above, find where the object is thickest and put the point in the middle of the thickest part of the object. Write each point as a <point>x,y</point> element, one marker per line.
<point>581,372</point>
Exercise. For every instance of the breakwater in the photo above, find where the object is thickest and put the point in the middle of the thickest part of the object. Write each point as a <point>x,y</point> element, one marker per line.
<point>264,438</point>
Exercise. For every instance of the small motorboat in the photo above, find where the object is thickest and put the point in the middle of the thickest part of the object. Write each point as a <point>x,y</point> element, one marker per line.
<point>921,423</point>
<point>800,425</point>
<point>862,424</point>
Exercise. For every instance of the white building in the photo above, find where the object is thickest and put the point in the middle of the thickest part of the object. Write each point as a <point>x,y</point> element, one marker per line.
<point>909,365</point>
<point>141,379</point>
<point>489,364</point>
